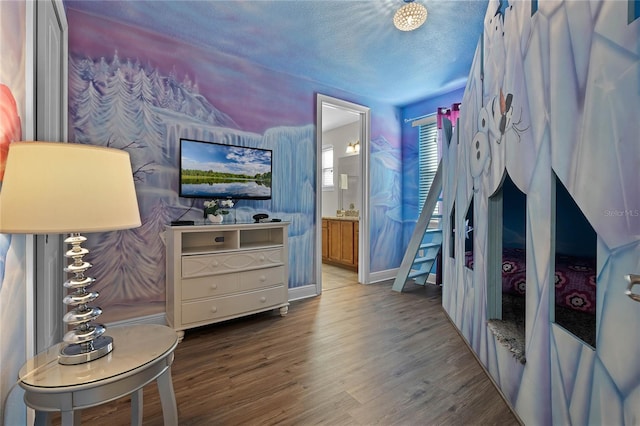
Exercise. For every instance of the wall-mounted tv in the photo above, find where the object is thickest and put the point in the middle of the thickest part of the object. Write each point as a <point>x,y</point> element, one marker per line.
<point>216,170</point>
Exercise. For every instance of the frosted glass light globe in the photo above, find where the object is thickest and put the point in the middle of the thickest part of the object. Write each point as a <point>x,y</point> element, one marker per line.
<point>410,16</point>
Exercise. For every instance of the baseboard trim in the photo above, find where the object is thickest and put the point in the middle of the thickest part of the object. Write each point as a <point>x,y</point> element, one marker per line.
<point>302,292</point>
<point>388,274</point>
<point>148,319</point>
<point>431,279</point>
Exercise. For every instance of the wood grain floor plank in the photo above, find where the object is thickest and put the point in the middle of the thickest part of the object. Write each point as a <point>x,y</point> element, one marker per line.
<point>356,355</point>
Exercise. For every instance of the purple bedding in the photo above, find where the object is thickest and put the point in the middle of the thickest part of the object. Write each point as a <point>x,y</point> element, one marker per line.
<point>575,278</point>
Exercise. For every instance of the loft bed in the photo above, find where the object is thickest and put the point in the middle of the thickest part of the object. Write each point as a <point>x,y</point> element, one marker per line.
<point>574,275</point>
<point>575,288</point>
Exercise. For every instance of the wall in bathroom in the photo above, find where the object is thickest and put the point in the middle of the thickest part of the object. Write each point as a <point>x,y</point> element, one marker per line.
<point>349,166</point>
<point>339,138</point>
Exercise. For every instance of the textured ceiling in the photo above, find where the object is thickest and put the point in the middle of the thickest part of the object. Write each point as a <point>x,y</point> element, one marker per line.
<point>349,45</point>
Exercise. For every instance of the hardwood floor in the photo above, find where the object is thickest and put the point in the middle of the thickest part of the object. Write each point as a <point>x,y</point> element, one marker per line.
<point>335,277</point>
<point>356,355</point>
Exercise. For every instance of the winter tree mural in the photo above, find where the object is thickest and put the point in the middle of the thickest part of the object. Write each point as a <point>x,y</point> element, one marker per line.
<point>133,107</point>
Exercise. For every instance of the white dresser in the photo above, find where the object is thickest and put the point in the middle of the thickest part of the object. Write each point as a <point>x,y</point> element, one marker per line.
<point>220,272</point>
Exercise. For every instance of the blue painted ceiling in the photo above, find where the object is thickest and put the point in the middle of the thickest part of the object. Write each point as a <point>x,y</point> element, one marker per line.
<point>349,45</point>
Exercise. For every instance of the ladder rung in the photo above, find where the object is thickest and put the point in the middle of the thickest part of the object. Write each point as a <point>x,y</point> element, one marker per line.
<point>427,224</point>
<point>417,274</point>
<point>429,245</point>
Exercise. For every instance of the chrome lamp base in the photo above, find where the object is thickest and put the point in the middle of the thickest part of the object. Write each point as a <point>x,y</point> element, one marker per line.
<point>86,341</point>
<point>78,354</point>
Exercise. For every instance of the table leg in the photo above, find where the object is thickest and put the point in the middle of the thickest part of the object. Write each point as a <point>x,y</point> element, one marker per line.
<point>168,398</point>
<point>43,418</point>
<point>136,407</point>
<point>70,418</point>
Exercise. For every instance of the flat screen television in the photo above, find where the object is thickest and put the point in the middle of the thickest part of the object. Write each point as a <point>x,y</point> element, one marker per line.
<point>215,170</point>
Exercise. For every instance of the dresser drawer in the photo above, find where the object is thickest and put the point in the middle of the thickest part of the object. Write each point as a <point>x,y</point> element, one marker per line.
<point>221,307</point>
<point>211,264</point>
<point>219,285</point>
<point>260,278</point>
<point>210,286</point>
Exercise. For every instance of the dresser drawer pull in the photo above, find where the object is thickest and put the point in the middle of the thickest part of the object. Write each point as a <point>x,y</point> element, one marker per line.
<point>214,309</point>
<point>215,263</point>
<point>263,299</point>
<point>262,278</point>
<point>214,286</point>
<point>261,258</point>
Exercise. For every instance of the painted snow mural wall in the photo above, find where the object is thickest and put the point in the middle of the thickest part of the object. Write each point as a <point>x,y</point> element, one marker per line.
<point>13,280</point>
<point>142,92</point>
<point>572,70</point>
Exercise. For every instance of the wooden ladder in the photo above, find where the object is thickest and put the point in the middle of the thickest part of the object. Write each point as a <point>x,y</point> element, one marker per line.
<point>426,241</point>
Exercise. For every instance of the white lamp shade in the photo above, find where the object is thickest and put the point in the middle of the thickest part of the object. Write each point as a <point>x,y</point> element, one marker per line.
<point>52,187</point>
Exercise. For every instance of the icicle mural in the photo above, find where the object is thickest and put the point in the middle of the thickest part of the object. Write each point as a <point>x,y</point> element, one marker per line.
<point>131,107</point>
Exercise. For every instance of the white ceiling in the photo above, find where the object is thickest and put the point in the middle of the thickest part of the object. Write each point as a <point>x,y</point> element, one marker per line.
<point>333,118</point>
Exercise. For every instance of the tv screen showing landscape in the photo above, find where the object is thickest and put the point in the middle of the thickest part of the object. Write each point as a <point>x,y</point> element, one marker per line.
<point>215,170</point>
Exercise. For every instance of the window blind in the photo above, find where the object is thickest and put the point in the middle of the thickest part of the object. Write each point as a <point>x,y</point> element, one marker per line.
<point>427,159</point>
<point>327,167</point>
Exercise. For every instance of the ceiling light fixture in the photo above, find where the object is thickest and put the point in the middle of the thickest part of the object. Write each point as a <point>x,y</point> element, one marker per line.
<point>353,148</point>
<point>410,16</point>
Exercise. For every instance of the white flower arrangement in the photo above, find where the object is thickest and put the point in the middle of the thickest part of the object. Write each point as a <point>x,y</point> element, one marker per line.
<point>217,207</point>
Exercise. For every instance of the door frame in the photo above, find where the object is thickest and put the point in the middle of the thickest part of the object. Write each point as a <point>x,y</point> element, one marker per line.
<point>363,224</point>
<point>50,106</point>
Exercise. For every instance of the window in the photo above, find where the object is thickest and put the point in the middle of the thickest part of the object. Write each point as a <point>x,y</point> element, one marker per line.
<point>634,10</point>
<point>327,168</point>
<point>428,157</point>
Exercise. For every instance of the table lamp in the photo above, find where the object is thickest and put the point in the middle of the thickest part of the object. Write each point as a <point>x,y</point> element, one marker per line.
<point>67,188</point>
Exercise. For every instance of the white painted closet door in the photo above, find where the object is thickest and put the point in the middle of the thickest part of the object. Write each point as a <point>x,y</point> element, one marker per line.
<point>51,125</point>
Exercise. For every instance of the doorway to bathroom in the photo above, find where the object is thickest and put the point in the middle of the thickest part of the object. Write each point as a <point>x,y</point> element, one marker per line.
<point>342,179</point>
